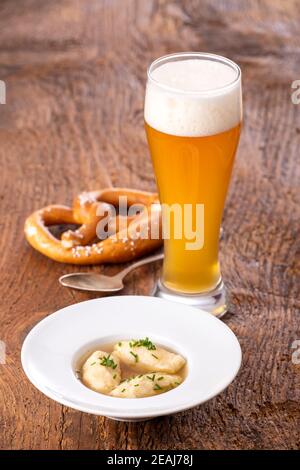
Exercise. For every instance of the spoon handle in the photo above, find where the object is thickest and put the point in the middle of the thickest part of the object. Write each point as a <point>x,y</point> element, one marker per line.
<point>149,259</point>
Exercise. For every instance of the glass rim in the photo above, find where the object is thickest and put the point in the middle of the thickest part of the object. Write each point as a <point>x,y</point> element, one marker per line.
<point>205,55</point>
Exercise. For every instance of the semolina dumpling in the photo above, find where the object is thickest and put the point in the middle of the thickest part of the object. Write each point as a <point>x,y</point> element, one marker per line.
<point>144,356</point>
<point>146,385</point>
<point>101,372</point>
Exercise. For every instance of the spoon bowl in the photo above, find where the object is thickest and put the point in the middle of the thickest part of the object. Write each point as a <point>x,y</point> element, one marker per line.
<point>92,282</point>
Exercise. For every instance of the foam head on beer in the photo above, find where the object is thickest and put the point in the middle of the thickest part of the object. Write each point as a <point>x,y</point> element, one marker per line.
<point>193,97</point>
<point>192,114</point>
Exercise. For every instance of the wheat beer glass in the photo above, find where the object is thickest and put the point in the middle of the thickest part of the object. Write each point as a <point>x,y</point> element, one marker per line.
<point>193,112</point>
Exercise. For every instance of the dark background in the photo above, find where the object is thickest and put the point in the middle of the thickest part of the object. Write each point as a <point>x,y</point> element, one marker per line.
<point>75,76</point>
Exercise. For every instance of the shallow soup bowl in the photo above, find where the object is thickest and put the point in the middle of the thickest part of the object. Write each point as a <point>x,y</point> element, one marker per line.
<point>53,351</point>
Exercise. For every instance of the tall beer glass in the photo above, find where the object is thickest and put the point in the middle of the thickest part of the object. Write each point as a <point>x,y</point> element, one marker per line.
<point>193,112</point>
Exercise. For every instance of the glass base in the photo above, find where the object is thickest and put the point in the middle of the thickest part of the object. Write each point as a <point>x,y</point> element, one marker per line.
<point>214,301</point>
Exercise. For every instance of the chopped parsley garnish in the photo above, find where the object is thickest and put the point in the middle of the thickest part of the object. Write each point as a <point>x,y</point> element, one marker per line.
<point>108,362</point>
<point>123,390</point>
<point>160,378</point>
<point>154,356</point>
<point>120,343</point>
<point>93,363</point>
<point>177,383</point>
<point>143,342</point>
<point>114,376</point>
<point>157,387</point>
<point>136,357</point>
<point>137,385</point>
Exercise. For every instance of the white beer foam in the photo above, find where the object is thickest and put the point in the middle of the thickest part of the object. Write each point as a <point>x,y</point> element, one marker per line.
<point>182,110</point>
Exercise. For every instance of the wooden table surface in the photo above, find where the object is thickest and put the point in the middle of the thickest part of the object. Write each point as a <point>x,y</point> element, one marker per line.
<point>75,77</point>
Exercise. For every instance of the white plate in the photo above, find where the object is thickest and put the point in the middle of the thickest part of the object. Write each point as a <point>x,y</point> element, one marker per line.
<point>51,351</point>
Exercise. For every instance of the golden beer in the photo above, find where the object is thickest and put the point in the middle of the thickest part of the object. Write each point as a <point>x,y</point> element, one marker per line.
<point>193,119</point>
<point>197,173</point>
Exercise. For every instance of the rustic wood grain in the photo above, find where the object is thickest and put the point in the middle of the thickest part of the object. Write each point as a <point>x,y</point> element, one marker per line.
<point>75,76</point>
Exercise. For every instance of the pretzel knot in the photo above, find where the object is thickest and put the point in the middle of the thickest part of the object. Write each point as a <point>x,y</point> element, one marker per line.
<point>128,235</point>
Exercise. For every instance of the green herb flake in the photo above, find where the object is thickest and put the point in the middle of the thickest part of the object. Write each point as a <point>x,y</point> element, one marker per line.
<point>151,378</point>
<point>106,361</point>
<point>157,387</point>
<point>136,357</point>
<point>114,376</point>
<point>154,356</point>
<point>93,363</point>
<point>137,385</point>
<point>146,343</point>
<point>123,390</point>
<point>160,378</point>
<point>120,343</point>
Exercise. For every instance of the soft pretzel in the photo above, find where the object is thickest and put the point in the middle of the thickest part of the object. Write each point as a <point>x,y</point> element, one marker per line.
<point>129,239</point>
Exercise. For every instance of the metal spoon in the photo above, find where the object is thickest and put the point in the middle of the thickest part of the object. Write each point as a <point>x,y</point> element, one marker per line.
<point>100,282</point>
